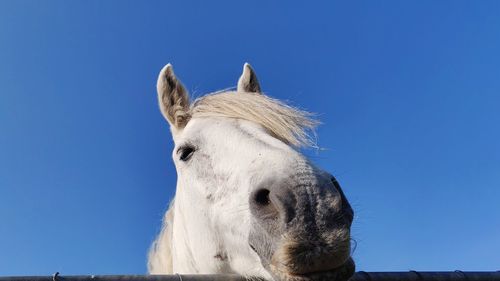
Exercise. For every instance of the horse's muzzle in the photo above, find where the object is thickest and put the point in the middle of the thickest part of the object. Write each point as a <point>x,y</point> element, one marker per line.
<point>301,227</point>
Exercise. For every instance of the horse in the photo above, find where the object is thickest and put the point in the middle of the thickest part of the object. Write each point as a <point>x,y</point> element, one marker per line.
<point>247,200</point>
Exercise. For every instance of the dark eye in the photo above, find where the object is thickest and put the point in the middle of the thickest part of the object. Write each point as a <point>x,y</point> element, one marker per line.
<point>185,152</point>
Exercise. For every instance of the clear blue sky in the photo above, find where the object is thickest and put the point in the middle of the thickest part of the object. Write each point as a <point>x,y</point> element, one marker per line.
<point>408,92</point>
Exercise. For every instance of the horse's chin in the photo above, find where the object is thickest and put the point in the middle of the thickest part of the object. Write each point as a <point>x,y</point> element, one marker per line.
<point>341,273</point>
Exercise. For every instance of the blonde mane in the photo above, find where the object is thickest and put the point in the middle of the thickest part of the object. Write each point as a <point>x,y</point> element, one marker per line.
<point>159,256</point>
<point>288,124</point>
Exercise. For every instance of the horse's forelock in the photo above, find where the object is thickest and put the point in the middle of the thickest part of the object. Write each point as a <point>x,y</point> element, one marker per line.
<point>289,124</point>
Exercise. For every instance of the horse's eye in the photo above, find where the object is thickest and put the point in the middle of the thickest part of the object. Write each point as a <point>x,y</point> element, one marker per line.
<point>186,152</point>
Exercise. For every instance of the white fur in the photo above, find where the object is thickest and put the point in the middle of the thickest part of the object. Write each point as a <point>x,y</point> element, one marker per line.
<point>240,139</point>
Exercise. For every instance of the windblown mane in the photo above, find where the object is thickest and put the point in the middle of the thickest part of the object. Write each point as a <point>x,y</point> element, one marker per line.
<point>288,124</point>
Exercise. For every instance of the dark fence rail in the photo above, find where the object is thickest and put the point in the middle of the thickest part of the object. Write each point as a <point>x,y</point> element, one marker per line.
<point>358,276</point>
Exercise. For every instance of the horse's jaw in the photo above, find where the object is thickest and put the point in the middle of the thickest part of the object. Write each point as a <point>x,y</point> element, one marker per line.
<point>208,241</point>
<point>193,239</point>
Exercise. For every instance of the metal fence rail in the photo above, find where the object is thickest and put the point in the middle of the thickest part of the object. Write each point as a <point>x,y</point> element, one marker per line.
<point>358,276</point>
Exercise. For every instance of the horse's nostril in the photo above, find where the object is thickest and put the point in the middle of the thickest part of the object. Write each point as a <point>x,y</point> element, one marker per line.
<point>261,197</point>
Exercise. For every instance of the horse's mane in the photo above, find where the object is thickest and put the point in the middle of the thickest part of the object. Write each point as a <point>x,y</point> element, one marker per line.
<point>159,257</point>
<point>288,124</point>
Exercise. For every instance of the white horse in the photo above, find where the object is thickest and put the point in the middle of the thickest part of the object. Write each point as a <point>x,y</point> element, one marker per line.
<point>247,201</point>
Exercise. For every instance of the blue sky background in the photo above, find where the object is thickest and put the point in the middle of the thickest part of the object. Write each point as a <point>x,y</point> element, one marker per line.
<point>408,92</point>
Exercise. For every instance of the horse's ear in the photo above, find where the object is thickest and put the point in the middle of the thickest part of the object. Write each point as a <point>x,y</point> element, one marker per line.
<point>172,98</point>
<point>248,80</point>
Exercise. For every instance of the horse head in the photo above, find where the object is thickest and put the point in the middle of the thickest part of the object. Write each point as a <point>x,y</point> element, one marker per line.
<point>247,201</point>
